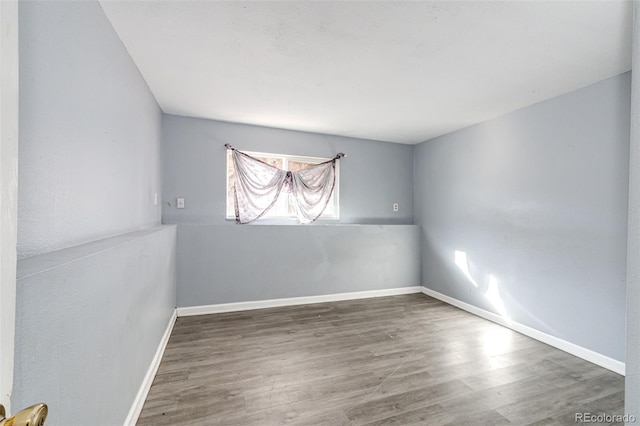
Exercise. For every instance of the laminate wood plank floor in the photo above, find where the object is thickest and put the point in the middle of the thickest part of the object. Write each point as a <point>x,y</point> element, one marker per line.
<point>400,360</point>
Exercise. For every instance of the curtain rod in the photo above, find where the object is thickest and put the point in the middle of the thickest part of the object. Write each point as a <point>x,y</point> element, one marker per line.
<point>338,155</point>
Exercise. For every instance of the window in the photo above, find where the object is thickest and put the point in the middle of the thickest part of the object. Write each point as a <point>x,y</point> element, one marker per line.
<point>283,209</point>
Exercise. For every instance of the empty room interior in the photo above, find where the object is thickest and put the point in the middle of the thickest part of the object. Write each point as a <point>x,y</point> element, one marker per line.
<point>474,259</point>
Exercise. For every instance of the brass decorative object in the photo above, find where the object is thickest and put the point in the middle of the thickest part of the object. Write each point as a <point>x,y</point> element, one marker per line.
<point>30,416</point>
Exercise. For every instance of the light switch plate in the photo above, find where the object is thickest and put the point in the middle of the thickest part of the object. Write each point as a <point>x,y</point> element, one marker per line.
<point>180,203</point>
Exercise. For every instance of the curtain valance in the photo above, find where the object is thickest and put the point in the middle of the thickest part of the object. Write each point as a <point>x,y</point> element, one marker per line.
<point>257,186</point>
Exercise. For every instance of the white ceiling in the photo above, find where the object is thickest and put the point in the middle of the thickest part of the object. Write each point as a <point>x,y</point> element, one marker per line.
<point>385,70</point>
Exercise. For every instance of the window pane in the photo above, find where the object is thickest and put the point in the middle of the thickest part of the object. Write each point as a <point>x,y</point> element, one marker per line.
<point>328,211</point>
<point>294,166</point>
<point>273,161</point>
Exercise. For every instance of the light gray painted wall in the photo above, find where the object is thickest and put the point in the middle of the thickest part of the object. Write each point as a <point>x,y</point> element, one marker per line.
<point>538,199</point>
<point>220,262</point>
<point>373,176</point>
<point>89,131</point>
<point>90,318</point>
<point>632,367</point>
<point>223,264</point>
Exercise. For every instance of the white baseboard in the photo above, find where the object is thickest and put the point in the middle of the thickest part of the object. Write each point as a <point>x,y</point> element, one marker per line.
<point>584,353</point>
<point>136,408</point>
<point>273,303</point>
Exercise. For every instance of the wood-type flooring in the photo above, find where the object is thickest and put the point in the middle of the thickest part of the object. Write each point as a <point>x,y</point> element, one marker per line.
<point>399,360</point>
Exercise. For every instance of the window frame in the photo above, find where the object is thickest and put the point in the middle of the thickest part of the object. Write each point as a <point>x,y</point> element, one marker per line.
<point>286,158</point>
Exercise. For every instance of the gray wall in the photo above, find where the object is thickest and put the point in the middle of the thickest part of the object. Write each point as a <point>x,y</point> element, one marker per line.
<point>89,317</point>
<point>373,176</point>
<point>89,131</point>
<point>89,321</point>
<point>222,264</point>
<point>538,199</point>
<point>632,367</point>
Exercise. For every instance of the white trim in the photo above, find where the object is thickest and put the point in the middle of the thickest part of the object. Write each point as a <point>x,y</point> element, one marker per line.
<point>584,353</point>
<point>273,303</point>
<point>136,407</point>
<point>9,129</point>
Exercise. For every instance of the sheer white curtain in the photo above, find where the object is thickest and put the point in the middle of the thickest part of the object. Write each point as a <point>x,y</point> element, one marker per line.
<point>257,186</point>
